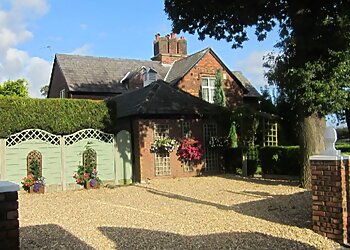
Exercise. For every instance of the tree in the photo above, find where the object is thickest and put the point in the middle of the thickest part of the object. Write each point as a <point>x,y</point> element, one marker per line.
<point>310,69</point>
<point>44,90</point>
<point>219,94</point>
<point>14,88</point>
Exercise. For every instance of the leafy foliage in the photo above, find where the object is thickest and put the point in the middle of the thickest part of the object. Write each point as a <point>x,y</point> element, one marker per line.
<point>163,145</point>
<point>44,90</point>
<point>280,160</point>
<point>219,93</point>
<point>58,116</point>
<point>14,88</point>
<point>87,172</point>
<point>34,178</point>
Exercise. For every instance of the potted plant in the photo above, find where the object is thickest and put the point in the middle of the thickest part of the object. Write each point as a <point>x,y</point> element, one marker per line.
<point>34,182</point>
<point>190,151</point>
<point>163,145</point>
<point>86,175</point>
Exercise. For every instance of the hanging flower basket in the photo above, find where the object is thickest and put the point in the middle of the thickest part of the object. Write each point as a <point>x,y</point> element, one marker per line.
<point>190,151</point>
<point>163,145</point>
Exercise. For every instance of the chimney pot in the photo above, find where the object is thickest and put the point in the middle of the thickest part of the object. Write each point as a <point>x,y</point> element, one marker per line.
<point>157,36</point>
<point>172,35</point>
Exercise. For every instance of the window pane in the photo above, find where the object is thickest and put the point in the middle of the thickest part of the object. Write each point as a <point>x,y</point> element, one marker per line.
<point>205,82</point>
<point>211,96</point>
<point>212,82</point>
<point>205,94</point>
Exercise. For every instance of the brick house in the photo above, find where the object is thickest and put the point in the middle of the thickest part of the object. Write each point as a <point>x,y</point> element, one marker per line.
<point>169,95</point>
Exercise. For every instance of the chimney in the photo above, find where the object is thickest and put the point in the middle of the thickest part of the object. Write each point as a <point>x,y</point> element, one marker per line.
<point>169,48</point>
<point>172,44</point>
<point>160,45</point>
<point>182,46</point>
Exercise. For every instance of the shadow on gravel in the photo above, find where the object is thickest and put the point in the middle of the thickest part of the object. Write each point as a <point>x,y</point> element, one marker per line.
<point>272,182</point>
<point>49,236</point>
<point>294,210</point>
<point>132,238</point>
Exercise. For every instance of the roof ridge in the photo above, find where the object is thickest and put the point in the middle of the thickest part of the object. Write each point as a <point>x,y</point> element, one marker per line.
<point>105,57</point>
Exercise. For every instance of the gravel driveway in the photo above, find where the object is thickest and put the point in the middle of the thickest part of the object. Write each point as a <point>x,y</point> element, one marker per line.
<point>221,212</point>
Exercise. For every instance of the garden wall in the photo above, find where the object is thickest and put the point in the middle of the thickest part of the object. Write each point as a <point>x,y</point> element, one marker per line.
<point>61,155</point>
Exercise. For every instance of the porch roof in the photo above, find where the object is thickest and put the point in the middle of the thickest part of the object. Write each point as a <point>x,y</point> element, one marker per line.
<point>159,98</point>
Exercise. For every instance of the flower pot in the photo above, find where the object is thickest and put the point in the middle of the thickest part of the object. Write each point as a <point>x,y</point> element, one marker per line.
<point>41,190</point>
<point>87,185</point>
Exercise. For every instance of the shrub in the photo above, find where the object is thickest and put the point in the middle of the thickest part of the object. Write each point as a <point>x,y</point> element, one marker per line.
<point>281,160</point>
<point>343,147</point>
<point>58,116</point>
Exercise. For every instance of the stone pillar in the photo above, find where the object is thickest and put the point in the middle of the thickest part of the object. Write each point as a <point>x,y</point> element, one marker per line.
<point>9,225</point>
<point>330,190</point>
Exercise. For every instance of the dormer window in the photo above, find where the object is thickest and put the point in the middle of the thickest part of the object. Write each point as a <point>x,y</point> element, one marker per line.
<point>149,76</point>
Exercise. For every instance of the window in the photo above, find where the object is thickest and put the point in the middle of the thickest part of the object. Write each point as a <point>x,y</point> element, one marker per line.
<point>270,133</point>
<point>186,129</point>
<point>162,160</point>
<point>63,93</point>
<point>161,130</point>
<point>208,89</point>
<point>149,76</point>
<point>211,156</point>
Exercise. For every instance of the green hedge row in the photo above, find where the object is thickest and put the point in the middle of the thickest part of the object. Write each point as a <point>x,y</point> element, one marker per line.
<point>343,147</point>
<point>58,116</point>
<point>281,160</point>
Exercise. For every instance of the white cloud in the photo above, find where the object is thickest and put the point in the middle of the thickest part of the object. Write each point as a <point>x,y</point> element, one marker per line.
<point>17,63</point>
<point>83,50</point>
<point>252,68</point>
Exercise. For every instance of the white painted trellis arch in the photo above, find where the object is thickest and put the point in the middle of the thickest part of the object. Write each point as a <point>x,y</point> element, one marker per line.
<point>61,155</point>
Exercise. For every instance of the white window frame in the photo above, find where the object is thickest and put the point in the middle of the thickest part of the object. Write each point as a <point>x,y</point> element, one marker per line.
<point>208,83</point>
<point>62,93</point>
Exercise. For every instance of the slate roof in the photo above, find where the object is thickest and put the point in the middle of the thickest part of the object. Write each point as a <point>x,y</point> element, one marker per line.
<point>101,74</point>
<point>181,67</point>
<point>252,92</point>
<point>159,98</point>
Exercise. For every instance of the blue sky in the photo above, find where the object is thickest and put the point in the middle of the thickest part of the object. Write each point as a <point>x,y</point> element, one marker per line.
<point>32,31</point>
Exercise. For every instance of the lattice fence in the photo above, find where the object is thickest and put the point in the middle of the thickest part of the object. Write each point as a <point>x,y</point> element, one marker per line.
<point>87,134</point>
<point>32,134</point>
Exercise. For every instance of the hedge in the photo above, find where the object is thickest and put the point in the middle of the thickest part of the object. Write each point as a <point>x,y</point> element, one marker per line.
<point>57,116</point>
<point>281,160</point>
<point>343,147</point>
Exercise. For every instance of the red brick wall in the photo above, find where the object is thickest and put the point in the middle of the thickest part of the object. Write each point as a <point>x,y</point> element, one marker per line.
<point>144,130</point>
<point>9,225</point>
<point>330,190</point>
<point>168,58</point>
<point>208,66</point>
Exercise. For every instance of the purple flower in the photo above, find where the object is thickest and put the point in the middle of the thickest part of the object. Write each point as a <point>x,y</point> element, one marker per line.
<point>92,182</point>
<point>36,187</point>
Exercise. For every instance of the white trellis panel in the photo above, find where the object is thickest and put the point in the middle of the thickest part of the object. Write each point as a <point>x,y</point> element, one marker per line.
<point>32,134</point>
<point>87,134</point>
